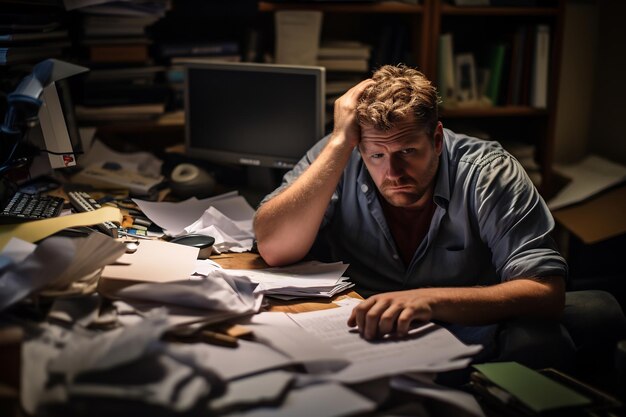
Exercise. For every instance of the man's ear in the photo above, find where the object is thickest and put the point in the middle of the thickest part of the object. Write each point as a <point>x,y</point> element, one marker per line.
<point>438,139</point>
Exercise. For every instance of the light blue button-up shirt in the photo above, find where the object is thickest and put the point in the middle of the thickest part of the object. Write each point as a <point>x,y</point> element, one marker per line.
<point>490,224</point>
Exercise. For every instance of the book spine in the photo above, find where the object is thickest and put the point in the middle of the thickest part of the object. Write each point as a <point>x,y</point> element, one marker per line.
<point>172,50</point>
<point>539,90</point>
<point>495,80</point>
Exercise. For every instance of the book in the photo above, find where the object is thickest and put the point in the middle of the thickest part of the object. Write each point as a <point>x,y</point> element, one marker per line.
<point>344,49</point>
<point>445,66</point>
<point>32,36</point>
<point>344,64</point>
<point>119,53</point>
<point>496,65</point>
<point>23,54</point>
<point>196,48</point>
<point>128,112</point>
<point>539,80</point>
<point>297,36</point>
<point>516,67</point>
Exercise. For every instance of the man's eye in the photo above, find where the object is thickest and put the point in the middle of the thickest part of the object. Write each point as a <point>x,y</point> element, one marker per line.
<point>407,151</point>
<point>376,156</point>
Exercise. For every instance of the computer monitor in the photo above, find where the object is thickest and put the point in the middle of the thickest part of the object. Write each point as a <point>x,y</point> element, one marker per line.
<point>253,114</point>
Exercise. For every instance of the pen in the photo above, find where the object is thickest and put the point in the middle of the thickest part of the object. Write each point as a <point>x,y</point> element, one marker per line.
<point>216,338</point>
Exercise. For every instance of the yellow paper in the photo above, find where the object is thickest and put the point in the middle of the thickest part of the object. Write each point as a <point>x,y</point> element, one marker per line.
<point>39,229</point>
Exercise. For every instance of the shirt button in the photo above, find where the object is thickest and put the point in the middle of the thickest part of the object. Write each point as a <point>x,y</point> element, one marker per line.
<point>364,188</point>
<point>395,256</point>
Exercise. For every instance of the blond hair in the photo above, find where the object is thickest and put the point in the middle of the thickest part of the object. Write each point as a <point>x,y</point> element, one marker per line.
<point>398,92</point>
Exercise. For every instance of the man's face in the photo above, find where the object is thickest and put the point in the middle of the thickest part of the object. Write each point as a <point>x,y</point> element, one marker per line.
<point>402,161</point>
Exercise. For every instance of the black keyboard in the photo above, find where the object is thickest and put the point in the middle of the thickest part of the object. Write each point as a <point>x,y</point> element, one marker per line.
<point>83,202</point>
<point>22,207</point>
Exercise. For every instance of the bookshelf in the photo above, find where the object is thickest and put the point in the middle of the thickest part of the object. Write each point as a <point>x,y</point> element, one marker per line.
<point>473,27</point>
<point>423,22</point>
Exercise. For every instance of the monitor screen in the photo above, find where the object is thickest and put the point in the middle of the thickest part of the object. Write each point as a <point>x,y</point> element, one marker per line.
<point>253,114</point>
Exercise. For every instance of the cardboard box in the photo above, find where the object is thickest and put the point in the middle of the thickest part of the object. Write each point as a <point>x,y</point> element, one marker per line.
<point>598,218</point>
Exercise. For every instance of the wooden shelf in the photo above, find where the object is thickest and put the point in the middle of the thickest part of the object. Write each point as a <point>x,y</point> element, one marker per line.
<point>447,9</point>
<point>503,111</point>
<point>386,7</point>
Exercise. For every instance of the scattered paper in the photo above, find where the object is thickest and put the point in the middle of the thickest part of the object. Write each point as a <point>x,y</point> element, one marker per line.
<point>154,261</point>
<point>429,350</point>
<point>319,400</point>
<point>55,263</point>
<point>143,163</point>
<point>423,387</point>
<point>305,279</point>
<point>232,294</point>
<point>227,218</point>
<point>590,176</point>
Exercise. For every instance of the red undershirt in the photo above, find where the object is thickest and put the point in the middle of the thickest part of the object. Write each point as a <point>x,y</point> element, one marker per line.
<point>408,226</point>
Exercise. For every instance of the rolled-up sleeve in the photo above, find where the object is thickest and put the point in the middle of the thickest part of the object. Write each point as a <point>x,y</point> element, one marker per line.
<point>514,220</point>
<point>291,176</point>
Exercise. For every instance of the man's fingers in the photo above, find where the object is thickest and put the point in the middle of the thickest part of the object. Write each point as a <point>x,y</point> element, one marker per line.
<point>372,318</point>
<point>404,321</point>
<point>388,319</point>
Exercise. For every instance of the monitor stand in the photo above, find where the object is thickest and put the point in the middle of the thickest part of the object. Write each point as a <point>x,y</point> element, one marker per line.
<point>260,182</point>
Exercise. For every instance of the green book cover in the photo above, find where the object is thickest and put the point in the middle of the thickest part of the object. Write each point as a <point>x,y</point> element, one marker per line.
<point>536,391</point>
<point>496,65</point>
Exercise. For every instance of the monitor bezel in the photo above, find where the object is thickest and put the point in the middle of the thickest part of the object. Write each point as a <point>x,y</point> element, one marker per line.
<point>244,158</point>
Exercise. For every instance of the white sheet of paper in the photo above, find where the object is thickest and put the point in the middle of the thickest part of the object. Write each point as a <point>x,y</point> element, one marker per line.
<point>174,217</point>
<point>421,352</point>
<point>246,359</point>
<point>213,293</point>
<point>265,387</point>
<point>590,176</point>
<point>313,275</point>
<point>429,389</point>
<point>154,261</point>
<point>319,400</point>
<point>280,332</point>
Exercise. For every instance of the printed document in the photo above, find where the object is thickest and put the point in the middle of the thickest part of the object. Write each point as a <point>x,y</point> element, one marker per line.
<point>431,349</point>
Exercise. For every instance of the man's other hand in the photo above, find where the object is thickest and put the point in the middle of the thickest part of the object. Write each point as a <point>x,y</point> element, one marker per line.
<point>390,312</point>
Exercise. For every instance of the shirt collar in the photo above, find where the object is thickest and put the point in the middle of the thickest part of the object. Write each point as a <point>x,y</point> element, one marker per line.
<point>441,195</point>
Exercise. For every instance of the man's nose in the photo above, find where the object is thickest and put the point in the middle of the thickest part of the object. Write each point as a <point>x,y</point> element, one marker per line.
<point>395,168</point>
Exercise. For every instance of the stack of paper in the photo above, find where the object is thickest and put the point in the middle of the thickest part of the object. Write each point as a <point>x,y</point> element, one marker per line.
<point>306,279</point>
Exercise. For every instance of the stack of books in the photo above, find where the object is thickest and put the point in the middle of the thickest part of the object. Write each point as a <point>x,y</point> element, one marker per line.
<point>31,33</point>
<point>125,83</point>
<point>344,56</point>
<point>115,32</point>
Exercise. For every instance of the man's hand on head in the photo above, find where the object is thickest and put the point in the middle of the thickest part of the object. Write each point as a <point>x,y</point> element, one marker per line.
<point>346,124</point>
<point>390,312</point>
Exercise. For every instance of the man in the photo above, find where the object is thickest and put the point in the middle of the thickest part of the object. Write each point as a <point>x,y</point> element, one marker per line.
<point>435,225</point>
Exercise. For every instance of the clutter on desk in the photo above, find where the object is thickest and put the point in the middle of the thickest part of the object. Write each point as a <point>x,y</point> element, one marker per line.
<point>36,230</point>
<point>304,279</point>
<point>58,265</point>
<point>226,217</point>
<point>104,168</point>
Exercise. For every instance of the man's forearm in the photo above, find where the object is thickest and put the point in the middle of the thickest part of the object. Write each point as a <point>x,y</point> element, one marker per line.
<point>485,305</point>
<point>286,226</point>
<point>523,297</point>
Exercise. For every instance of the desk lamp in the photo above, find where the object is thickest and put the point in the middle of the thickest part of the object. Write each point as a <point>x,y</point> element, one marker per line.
<point>24,103</point>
